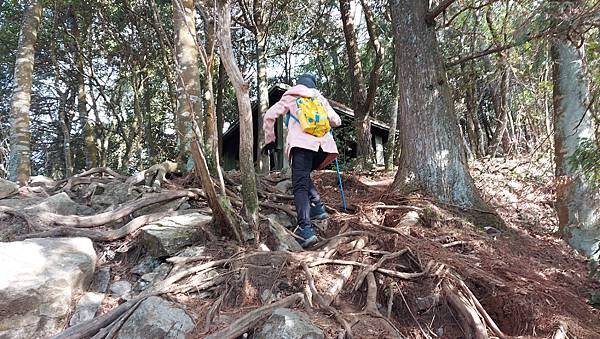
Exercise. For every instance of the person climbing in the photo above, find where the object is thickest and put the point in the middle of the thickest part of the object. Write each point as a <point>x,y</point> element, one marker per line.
<point>309,146</point>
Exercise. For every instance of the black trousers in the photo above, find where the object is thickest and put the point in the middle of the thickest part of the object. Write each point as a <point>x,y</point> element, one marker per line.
<point>304,161</point>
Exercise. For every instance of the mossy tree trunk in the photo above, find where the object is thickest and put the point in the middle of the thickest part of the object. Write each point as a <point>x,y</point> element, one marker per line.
<point>242,91</point>
<point>577,201</point>
<point>19,164</point>
<point>433,160</point>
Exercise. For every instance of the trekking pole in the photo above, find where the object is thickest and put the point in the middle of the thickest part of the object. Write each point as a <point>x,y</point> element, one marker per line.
<point>337,168</point>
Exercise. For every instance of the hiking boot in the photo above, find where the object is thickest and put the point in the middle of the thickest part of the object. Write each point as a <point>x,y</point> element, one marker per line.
<point>317,212</point>
<point>307,234</point>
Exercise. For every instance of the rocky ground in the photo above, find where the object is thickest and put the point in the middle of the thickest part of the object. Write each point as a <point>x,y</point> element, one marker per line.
<point>102,255</point>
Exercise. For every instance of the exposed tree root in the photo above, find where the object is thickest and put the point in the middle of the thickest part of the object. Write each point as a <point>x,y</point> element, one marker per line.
<point>91,327</point>
<point>154,176</point>
<point>561,332</point>
<point>391,273</point>
<point>112,329</point>
<point>250,319</point>
<point>101,170</point>
<point>467,313</point>
<point>475,319</point>
<point>109,235</point>
<point>343,277</point>
<point>370,269</point>
<point>107,217</point>
<point>314,294</point>
<point>371,305</point>
<point>76,181</point>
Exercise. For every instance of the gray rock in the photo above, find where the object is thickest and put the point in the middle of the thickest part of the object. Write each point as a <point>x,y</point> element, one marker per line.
<point>7,188</point>
<point>146,265</point>
<point>177,204</point>
<point>282,218</point>
<point>285,323</point>
<point>38,279</point>
<point>284,241</point>
<point>285,187</point>
<point>148,279</point>
<point>42,181</point>
<point>192,251</point>
<point>86,308</point>
<point>101,280</point>
<point>21,203</point>
<point>111,195</point>
<point>158,274</point>
<point>60,204</point>
<point>156,318</point>
<point>169,235</point>
<point>120,288</point>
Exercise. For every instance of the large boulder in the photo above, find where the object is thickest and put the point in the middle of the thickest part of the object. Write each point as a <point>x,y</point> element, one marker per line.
<point>156,318</point>
<point>38,280</point>
<point>169,235</point>
<point>285,323</point>
<point>7,188</point>
<point>60,204</point>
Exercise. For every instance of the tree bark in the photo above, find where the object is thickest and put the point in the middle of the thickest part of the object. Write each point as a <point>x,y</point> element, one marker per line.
<point>577,201</point>
<point>432,160</point>
<point>19,163</point>
<point>362,99</point>
<point>391,144</point>
<point>207,56</point>
<point>211,126</point>
<point>65,124</point>
<point>249,195</point>
<point>188,76</point>
<point>223,215</point>
<point>499,94</point>
<point>91,158</point>
<point>219,108</point>
<point>263,164</point>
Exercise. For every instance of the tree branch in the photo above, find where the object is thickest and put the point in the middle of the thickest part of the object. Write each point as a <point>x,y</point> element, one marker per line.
<point>434,12</point>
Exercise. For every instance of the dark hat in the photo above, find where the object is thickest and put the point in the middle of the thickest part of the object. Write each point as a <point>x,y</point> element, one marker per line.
<point>307,80</point>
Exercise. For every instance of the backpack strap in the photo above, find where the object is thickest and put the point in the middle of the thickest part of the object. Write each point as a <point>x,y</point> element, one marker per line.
<point>287,118</point>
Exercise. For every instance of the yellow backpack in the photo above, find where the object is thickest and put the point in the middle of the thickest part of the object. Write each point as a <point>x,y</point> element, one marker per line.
<point>312,116</point>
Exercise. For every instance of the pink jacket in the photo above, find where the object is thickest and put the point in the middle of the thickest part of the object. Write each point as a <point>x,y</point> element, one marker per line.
<point>296,137</point>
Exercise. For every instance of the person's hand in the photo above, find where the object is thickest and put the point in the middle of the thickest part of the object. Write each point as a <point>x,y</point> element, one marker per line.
<point>268,147</point>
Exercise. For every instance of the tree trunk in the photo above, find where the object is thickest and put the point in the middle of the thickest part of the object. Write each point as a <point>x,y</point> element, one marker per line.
<point>471,113</point>
<point>223,215</point>
<point>66,135</point>
<point>499,93</point>
<point>263,164</point>
<point>499,98</point>
<point>391,143</point>
<point>19,164</point>
<point>65,124</point>
<point>136,128</point>
<point>362,100</point>
<point>219,110</point>
<point>432,160</point>
<point>188,76</point>
<point>149,140</point>
<point>91,158</point>
<point>241,86</point>
<point>211,137</point>
<point>577,202</point>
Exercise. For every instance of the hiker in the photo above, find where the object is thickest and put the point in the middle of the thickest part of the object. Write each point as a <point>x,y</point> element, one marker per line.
<point>309,146</point>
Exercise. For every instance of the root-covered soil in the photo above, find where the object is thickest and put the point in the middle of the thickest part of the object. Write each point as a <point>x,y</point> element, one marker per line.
<point>391,266</point>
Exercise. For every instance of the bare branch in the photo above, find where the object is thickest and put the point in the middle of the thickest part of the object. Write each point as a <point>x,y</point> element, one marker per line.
<point>434,12</point>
